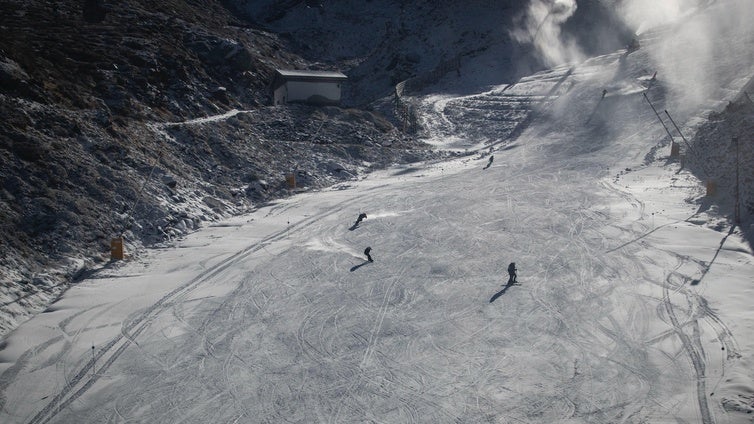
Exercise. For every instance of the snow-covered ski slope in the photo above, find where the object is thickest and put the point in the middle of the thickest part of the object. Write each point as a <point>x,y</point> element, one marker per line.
<point>631,307</point>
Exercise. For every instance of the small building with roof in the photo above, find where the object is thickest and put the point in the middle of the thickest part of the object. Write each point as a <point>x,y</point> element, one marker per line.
<point>311,87</point>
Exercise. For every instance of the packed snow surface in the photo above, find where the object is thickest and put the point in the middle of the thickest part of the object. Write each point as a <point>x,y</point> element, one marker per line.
<point>632,303</point>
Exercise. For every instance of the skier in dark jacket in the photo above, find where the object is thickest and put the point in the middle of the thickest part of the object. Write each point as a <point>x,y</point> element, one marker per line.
<point>362,216</point>
<point>366,252</point>
<point>489,162</point>
<point>512,273</point>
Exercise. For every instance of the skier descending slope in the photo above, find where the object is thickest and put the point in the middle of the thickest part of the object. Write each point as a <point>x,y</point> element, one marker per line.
<point>366,252</point>
<point>512,273</point>
<point>489,162</point>
<point>362,216</point>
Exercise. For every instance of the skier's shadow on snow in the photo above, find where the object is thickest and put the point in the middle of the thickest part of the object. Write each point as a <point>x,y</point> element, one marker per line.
<point>502,292</point>
<point>355,267</point>
<point>354,226</point>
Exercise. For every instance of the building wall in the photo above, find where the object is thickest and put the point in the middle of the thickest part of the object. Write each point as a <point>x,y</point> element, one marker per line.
<point>308,92</point>
<point>280,95</point>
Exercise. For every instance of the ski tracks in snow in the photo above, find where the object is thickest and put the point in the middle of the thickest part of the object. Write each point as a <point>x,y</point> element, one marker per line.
<point>682,308</point>
<point>685,319</point>
<point>104,357</point>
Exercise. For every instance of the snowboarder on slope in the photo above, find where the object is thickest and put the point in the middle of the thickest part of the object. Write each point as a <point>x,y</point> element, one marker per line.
<point>366,252</point>
<point>512,273</point>
<point>362,216</point>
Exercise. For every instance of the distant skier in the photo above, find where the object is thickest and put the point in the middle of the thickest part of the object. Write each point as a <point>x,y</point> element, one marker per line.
<point>366,252</point>
<point>489,162</point>
<point>362,216</point>
<point>512,273</point>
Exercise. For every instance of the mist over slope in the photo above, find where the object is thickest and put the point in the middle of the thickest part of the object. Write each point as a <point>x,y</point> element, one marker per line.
<point>102,104</point>
<point>94,94</point>
<point>633,303</point>
<point>380,43</point>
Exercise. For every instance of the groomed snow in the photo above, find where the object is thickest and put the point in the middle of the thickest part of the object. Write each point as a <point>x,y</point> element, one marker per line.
<point>633,304</point>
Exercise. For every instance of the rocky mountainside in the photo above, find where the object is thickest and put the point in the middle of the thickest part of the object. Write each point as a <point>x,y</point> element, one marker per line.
<point>94,143</point>
<point>381,43</point>
<point>148,118</point>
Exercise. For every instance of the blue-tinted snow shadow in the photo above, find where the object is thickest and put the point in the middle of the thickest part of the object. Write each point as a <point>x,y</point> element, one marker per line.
<point>502,292</point>
<point>407,171</point>
<point>355,267</point>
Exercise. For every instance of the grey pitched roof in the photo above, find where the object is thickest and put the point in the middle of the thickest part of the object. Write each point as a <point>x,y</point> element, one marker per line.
<point>291,74</point>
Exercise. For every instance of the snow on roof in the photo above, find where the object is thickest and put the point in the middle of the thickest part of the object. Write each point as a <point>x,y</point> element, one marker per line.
<point>305,74</point>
